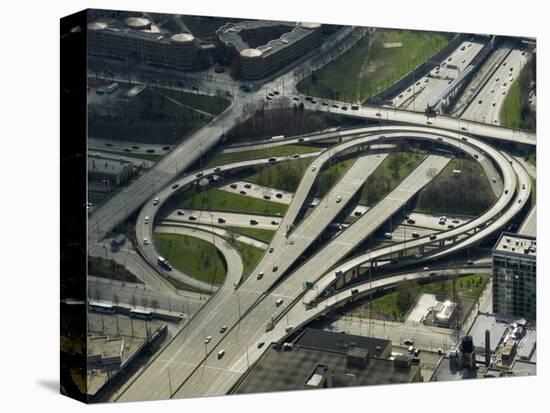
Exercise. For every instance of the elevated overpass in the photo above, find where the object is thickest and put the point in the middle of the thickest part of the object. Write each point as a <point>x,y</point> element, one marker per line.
<point>195,368</point>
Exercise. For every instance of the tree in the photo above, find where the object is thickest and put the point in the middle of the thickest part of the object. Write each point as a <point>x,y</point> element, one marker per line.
<point>403,300</point>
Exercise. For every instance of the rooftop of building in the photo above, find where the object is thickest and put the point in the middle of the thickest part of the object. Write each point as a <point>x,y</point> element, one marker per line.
<point>515,244</point>
<point>141,27</point>
<point>107,165</point>
<point>524,368</point>
<point>446,371</point>
<point>291,368</point>
<point>230,35</point>
<point>497,326</point>
<point>339,342</point>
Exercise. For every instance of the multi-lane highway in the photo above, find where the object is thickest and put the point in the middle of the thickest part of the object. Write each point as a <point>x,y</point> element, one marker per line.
<point>124,203</point>
<point>260,309</point>
<point>417,96</point>
<point>487,105</point>
<point>222,339</point>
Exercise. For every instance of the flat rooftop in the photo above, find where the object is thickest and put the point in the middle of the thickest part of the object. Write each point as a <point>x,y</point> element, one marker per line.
<point>340,343</point>
<point>230,35</point>
<point>524,368</point>
<point>497,326</point>
<point>140,27</point>
<point>291,369</point>
<point>444,372</point>
<point>515,244</point>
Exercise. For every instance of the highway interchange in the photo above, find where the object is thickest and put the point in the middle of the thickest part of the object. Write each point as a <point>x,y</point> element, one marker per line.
<point>190,364</point>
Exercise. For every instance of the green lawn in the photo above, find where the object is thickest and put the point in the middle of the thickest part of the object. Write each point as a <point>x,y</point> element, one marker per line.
<point>369,67</point>
<point>222,158</point>
<point>388,175</point>
<point>218,200</point>
<point>210,104</point>
<point>510,113</point>
<point>396,304</point>
<point>158,116</point>
<point>251,256</point>
<point>468,193</point>
<point>192,256</point>
<point>184,287</point>
<point>264,235</point>
<point>532,158</point>
<point>107,268</point>
<point>283,175</point>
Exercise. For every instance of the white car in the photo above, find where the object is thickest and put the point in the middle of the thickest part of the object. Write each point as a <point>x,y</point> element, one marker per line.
<point>338,199</point>
<point>279,302</point>
<point>208,339</point>
<point>146,220</point>
<point>313,168</point>
<point>156,201</point>
<point>145,241</point>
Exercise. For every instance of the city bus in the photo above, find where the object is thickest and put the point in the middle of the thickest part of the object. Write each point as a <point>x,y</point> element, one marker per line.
<point>111,88</point>
<point>101,307</point>
<point>141,314</point>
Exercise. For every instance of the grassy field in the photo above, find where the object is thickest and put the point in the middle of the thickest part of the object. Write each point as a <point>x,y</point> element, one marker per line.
<point>468,193</point>
<point>209,104</point>
<point>369,67</point>
<point>221,158</point>
<point>387,176</point>
<point>532,158</point>
<point>264,235</point>
<point>153,116</point>
<point>251,256</point>
<point>396,304</point>
<point>184,287</point>
<point>192,256</point>
<point>516,111</point>
<point>218,200</point>
<point>107,268</point>
<point>510,113</point>
<point>283,175</point>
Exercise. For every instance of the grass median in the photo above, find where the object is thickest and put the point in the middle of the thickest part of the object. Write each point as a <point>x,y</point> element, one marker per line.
<point>192,256</point>
<point>264,235</point>
<point>283,175</point>
<point>516,111</point>
<point>250,255</point>
<point>466,193</point>
<point>388,175</point>
<point>283,150</point>
<point>217,200</point>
